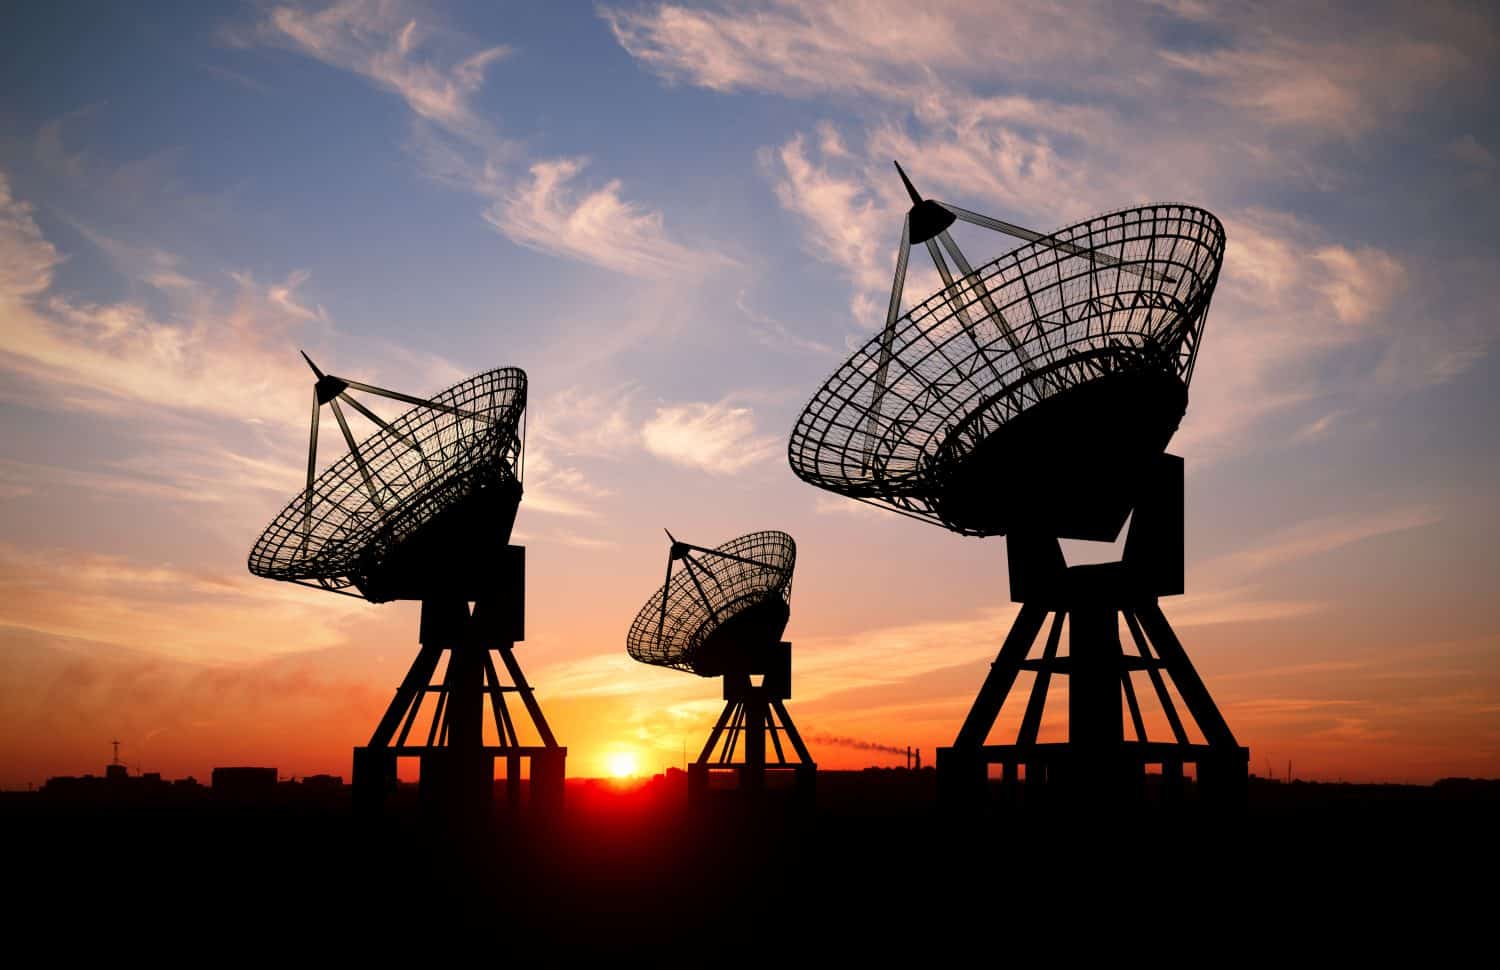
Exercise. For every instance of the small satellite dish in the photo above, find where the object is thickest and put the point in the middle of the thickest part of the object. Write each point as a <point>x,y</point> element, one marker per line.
<point>722,615</point>
<point>720,610</point>
<point>1034,397</point>
<point>422,509</point>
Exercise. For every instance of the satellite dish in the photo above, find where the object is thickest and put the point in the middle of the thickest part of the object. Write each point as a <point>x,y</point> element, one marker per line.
<point>1034,397</point>
<point>410,497</point>
<point>422,509</point>
<point>1007,395</point>
<point>722,615</point>
<point>723,607</point>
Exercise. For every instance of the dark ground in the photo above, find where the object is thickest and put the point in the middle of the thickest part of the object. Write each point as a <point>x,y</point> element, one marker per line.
<point>875,870</point>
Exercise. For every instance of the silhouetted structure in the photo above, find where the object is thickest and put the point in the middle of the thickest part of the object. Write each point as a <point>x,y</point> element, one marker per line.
<point>723,615</point>
<point>1034,397</point>
<point>244,783</point>
<point>117,784</point>
<point>423,510</point>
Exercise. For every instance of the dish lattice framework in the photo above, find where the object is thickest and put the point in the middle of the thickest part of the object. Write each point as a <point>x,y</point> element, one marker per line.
<point>408,472</point>
<point>1122,290</point>
<point>676,622</point>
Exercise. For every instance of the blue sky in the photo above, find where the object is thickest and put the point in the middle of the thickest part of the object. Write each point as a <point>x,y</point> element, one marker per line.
<point>677,220</point>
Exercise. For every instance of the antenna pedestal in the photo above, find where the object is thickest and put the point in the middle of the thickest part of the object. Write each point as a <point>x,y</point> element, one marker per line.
<point>452,712</point>
<point>1098,762</point>
<point>754,720</point>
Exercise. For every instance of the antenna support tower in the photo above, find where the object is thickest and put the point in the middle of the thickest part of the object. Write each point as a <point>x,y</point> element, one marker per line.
<point>1034,398</point>
<point>1098,762</point>
<point>462,675</point>
<point>722,615</point>
<point>754,713</point>
<point>423,510</point>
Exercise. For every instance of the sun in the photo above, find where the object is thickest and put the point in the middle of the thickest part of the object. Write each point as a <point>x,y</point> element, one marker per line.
<point>623,764</point>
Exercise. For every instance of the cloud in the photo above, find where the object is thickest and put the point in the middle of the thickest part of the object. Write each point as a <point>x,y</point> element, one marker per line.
<point>1311,73</point>
<point>1230,588</point>
<point>122,353</point>
<point>788,48</point>
<point>844,222</point>
<point>25,478</point>
<point>1323,535</point>
<point>26,259</point>
<point>591,421</point>
<point>1290,302</point>
<point>718,438</point>
<point>439,74</point>
<point>214,396</point>
<point>282,296</point>
<point>550,214</point>
<point>383,41</point>
<point>1247,603</point>
<point>1467,149</point>
<point>230,364</point>
<point>155,267</point>
<point>778,336</point>
<point>824,504</point>
<point>564,491</point>
<point>162,609</point>
<point>1320,427</point>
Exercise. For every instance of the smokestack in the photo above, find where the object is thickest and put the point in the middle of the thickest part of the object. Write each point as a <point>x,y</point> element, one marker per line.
<point>919,759</point>
<point>908,757</point>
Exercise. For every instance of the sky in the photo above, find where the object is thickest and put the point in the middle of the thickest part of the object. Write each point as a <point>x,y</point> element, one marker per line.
<point>678,220</point>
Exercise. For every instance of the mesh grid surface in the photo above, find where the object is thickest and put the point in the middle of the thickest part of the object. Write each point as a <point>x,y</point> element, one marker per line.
<point>731,586</point>
<point>947,375</point>
<point>346,523</point>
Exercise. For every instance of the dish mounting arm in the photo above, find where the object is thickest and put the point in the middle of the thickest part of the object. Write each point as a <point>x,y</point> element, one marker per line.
<point>331,390</point>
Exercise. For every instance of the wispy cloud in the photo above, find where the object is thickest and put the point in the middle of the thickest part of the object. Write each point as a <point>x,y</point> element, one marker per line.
<point>1347,84</point>
<point>558,490</point>
<point>439,73</point>
<point>283,296</point>
<point>1467,149</point>
<point>549,213</point>
<point>1313,71</point>
<point>717,437</point>
<point>226,359</point>
<point>1237,588</point>
<point>26,258</point>
<point>776,335</point>
<point>160,608</point>
<point>594,421</point>
<point>1325,535</point>
<point>385,42</point>
<point>844,222</point>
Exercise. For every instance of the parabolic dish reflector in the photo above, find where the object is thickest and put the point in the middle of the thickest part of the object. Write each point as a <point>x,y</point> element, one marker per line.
<point>405,497</point>
<point>718,607</point>
<point>1014,395</point>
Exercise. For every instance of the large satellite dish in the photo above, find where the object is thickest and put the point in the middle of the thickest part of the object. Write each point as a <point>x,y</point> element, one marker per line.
<point>422,509</point>
<point>1015,392</point>
<point>1034,397</point>
<point>722,615</point>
